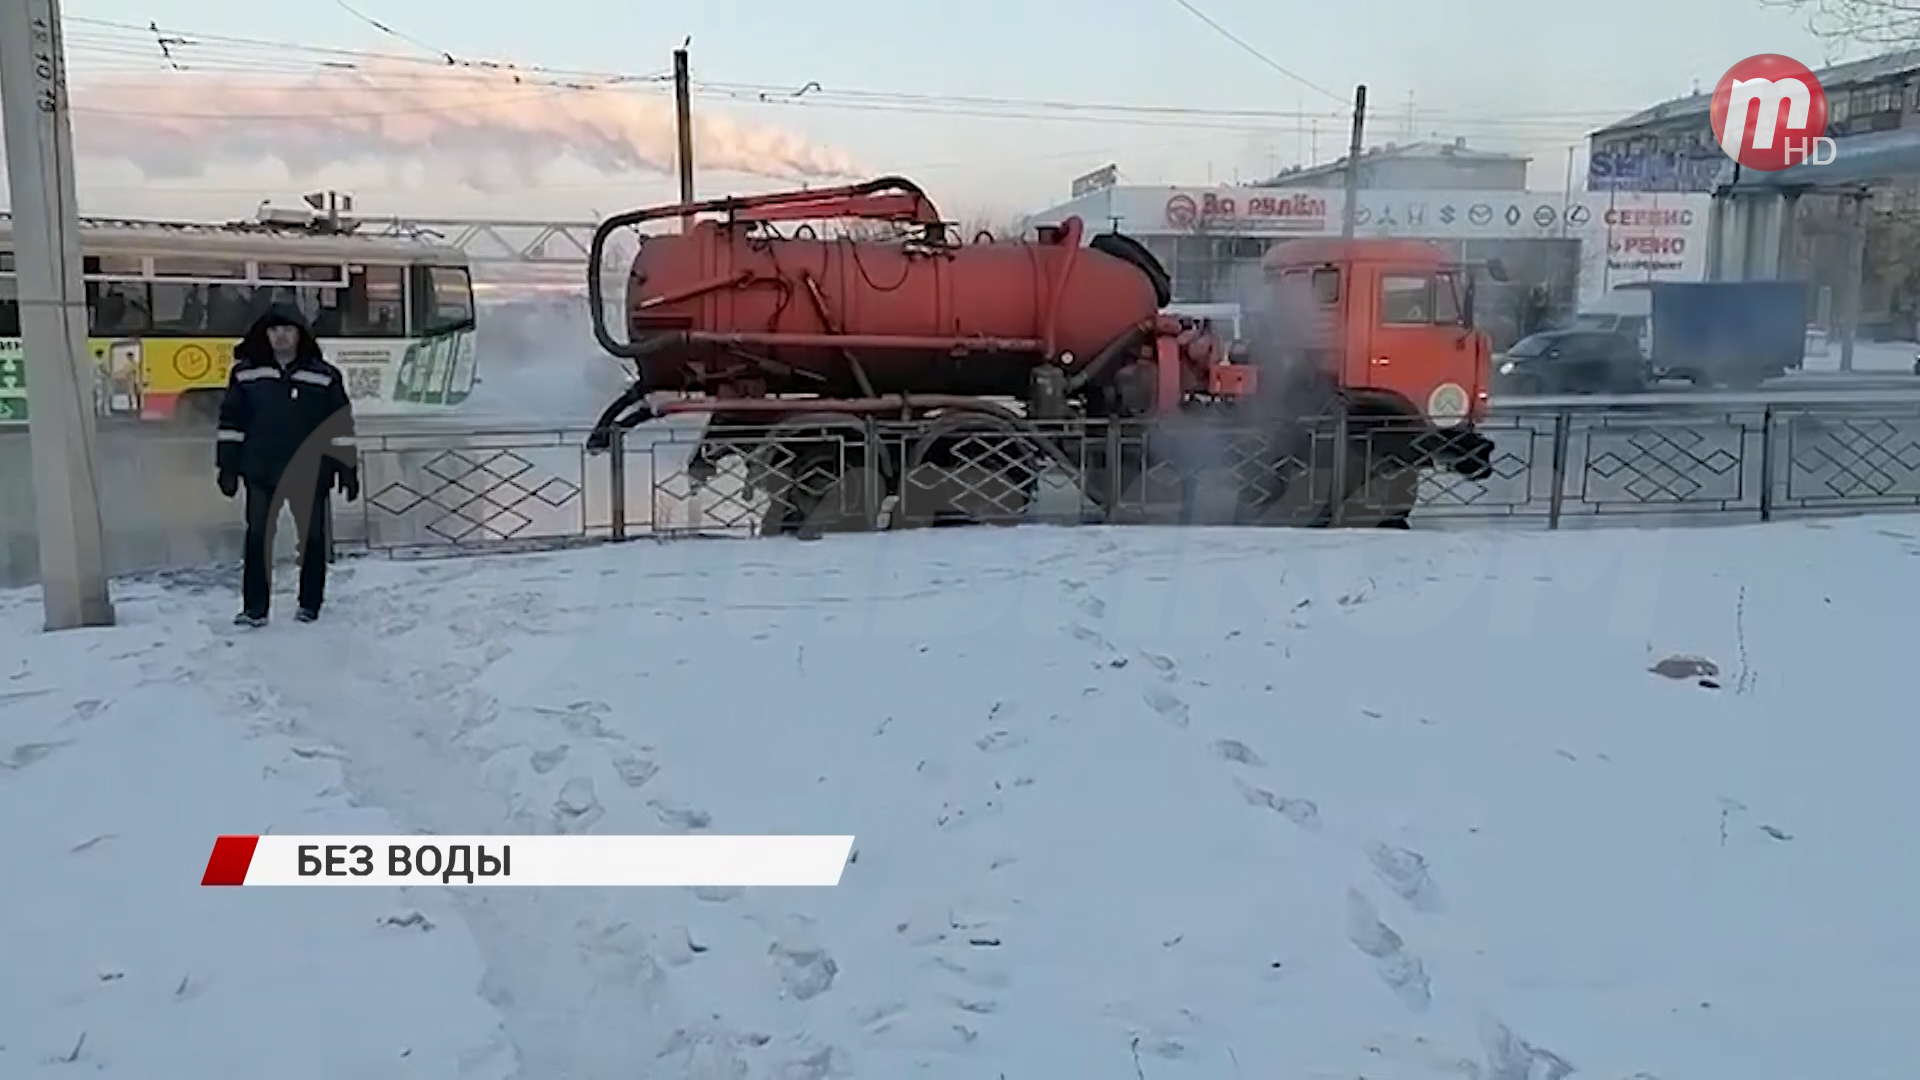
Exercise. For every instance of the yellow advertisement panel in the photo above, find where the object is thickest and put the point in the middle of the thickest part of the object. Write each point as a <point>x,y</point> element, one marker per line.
<point>149,378</point>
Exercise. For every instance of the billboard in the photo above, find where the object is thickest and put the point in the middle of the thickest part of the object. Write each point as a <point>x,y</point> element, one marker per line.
<point>1694,171</point>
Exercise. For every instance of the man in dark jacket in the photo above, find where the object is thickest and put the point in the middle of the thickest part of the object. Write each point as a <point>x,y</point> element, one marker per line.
<point>286,433</point>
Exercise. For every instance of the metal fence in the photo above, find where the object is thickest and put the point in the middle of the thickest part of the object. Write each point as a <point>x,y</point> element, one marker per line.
<point>444,485</point>
<point>1556,464</point>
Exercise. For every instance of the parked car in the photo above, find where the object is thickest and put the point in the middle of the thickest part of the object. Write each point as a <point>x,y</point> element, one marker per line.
<point>1572,362</point>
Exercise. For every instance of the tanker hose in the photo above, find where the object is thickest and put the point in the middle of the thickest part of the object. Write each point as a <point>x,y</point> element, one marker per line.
<point>1118,347</point>
<point>596,296</point>
<point>634,398</point>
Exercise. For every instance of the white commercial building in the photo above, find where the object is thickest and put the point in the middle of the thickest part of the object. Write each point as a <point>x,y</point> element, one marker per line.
<point>1561,250</point>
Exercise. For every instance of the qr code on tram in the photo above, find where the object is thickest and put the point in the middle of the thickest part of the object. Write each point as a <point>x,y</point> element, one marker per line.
<point>363,382</point>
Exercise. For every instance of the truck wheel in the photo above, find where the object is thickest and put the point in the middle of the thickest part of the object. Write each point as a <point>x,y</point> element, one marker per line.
<point>818,475</point>
<point>1383,471</point>
<point>968,469</point>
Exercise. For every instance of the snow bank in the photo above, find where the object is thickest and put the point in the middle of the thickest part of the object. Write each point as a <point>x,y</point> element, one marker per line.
<point>1130,803</point>
<point>122,754</point>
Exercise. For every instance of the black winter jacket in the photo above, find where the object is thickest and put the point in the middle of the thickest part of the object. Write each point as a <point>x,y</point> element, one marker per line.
<point>275,420</point>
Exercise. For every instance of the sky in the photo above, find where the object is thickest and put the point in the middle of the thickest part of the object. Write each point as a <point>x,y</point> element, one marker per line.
<point>1504,74</point>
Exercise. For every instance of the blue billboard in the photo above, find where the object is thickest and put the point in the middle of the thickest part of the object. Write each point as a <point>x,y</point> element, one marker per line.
<point>1609,170</point>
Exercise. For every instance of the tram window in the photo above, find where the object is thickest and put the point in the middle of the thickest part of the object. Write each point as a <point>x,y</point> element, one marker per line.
<point>375,303</point>
<point>230,311</point>
<point>180,309</point>
<point>443,298</point>
<point>113,266</point>
<point>300,272</point>
<point>9,306</point>
<point>118,308</point>
<point>192,266</point>
<point>318,304</point>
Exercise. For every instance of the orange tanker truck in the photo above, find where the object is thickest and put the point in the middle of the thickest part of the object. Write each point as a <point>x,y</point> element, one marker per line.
<point>941,377</point>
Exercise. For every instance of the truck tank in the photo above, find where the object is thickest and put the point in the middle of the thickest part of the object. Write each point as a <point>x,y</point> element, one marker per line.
<point>734,302</point>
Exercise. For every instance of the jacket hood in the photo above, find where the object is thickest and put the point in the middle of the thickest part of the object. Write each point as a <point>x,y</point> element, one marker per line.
<point>254,347</point>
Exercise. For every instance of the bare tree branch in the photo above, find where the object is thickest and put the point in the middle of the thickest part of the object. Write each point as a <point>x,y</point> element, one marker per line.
<point>1866,22</point>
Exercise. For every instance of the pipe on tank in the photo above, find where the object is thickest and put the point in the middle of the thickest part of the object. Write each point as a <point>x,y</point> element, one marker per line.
<point>823,203</point>
<point>1128,341</point>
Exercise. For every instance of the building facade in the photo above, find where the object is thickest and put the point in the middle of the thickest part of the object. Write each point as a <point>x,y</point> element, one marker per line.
<point>1418,166</point>
<point>1565,250</point>
<point>1670,147</point>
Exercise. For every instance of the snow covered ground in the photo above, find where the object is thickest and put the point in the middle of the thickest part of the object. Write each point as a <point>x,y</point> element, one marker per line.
<point>1129,803</point>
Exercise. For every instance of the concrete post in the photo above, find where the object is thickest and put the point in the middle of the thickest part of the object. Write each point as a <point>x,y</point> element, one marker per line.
<point>1855,273</point>
<point>53,314</point>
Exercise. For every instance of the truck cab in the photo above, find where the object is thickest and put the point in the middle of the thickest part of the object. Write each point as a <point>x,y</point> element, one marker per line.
<point>1396,327</point>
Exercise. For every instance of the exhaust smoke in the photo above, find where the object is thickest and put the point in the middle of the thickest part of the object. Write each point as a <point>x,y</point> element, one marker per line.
<point>495,130</point>
<point>1238,464</point>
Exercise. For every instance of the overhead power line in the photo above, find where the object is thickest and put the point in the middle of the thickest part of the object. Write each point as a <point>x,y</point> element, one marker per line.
<point>130,51</point>
<point>1257,54</point>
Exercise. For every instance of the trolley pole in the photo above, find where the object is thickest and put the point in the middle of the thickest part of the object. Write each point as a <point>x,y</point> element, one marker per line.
<point>683,125</point>
<point>1350,217</point>
<point>53,314</point>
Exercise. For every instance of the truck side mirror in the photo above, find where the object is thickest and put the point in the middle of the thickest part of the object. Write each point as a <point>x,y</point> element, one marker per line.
<point>1497,270</point>
<point>1466,305</point>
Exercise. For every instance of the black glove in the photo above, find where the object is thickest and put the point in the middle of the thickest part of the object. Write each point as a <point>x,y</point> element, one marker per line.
<point>229,484</point>
<point>348,481</point>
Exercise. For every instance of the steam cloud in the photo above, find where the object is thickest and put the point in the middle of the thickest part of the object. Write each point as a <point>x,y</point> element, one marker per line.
<point>493,131</point>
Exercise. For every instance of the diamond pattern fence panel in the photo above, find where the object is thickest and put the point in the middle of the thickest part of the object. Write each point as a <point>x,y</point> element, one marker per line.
<point>481,491</point>
<point>1858,462</point>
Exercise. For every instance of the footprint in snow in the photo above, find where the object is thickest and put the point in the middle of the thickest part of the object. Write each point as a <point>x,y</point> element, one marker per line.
<point>1163,664</point>
<point>577,807</point>
<point>27,754</point>
<point>1089,636</point>
<point>1237,752</point>
<point>634,770</point>
<point>681,817</point>
<point>805,971</point>
<point>1403,972</point>
<point>1167,704</point>
<point>1304,813</point>
<point>1406,873</point>
<point>545,761</point>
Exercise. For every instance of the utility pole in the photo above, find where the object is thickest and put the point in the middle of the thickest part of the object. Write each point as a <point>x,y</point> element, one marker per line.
<point>683,124</point>
<point>53,315</point>
<point>1350,217</point>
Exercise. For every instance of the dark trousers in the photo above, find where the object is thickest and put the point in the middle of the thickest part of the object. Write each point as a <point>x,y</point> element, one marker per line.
<point>307,498</point>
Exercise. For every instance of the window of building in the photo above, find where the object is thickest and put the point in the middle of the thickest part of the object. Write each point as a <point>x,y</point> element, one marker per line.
<point>375,303</point>
<point>1406,300</point>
